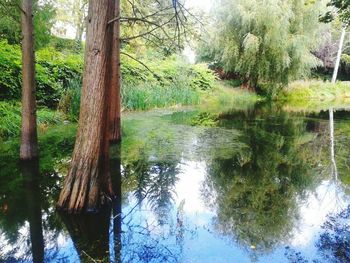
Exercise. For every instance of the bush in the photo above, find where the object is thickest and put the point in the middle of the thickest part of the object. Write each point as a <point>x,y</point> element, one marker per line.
<point>10,119</point>
<point>170,82</point>
<point>54,70</point>
<point>173,82</point>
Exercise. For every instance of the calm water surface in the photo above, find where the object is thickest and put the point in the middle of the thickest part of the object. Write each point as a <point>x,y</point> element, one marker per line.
<point>264,184</point>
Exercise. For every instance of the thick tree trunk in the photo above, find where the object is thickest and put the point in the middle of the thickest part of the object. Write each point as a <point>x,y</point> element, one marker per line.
<point>29,141</point>
<point>88,179</point>
<point>115,101</point>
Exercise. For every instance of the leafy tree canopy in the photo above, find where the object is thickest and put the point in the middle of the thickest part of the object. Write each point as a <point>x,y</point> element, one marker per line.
<point>342,8</point>
<point>10,28</point>
<point>268,43</point>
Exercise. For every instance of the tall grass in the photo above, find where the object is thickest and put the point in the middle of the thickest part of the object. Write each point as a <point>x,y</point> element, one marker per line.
<point>10,119</point>
<point>152,95</point>
<point>315,90</point>
<point>70,101</point>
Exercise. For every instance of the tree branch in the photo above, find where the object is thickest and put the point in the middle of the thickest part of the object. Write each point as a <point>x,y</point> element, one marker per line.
<point>140,62</point>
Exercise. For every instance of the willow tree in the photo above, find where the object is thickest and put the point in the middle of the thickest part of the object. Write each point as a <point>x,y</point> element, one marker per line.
<point>266,41</point>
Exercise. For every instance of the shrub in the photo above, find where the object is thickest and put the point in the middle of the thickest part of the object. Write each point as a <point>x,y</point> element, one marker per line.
<point>10,119</point>
<point>173,82</point>
<point>54,70</point>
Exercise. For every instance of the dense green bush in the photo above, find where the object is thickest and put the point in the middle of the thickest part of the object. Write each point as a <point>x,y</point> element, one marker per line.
<point>65,45</point>
<point>10,118</point>
<point>10,68</point>
<point>170,81</point>
<point>167,82</point>
<point>54,70</point>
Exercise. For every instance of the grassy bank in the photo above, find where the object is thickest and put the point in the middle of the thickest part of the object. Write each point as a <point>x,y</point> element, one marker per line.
<point>300,91</point>
<point>227,95</point>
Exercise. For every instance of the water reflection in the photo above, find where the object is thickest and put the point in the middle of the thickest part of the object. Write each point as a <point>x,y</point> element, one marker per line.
<point>30,172</point>
<point>255,190</point>
<point>261,185</point>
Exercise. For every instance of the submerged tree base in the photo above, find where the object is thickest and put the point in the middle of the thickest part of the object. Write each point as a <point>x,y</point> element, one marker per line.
<point>87,188</point>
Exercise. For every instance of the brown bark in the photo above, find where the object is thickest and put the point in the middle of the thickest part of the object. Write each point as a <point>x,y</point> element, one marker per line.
<point>88,179</point>
<point>115,83</point>
<point>29,140</point>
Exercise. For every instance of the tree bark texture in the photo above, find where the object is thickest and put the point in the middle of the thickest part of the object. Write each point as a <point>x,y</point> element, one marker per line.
<point>115,81</point>
<point>29,138</point>
<point>88,180</point>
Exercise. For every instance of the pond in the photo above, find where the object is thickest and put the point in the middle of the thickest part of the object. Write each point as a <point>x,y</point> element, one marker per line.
<point>264,183</point>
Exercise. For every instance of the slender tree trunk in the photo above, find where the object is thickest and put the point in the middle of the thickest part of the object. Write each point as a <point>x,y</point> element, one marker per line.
<point>88,179</point>
<point>340,49</point>
<point>115,101</point>
<point>29,140</point>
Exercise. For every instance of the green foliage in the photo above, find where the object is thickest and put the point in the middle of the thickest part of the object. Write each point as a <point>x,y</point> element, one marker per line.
<point>70,101</point>
<point>147,96</point>
<point>54,70</point>
<point>10,68</point>
<point>318,90</point>
<point>10,27</point>
<point>346,59</point>
<point>223,97</point>
<point>10,119</point>
<point>173,82</point>
<point>341,9</point>
<point>64,44</point>
<point>248,40</point>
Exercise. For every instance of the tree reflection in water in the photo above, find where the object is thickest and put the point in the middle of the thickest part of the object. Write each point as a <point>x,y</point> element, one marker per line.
<point>114,236</point>
<point>255,190</point>
<point>256,168</point>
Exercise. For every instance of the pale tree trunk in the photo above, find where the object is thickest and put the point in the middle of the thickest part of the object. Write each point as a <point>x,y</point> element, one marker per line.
<point>88,180</point>
<point>331,120</point>
<point>334,170</point>
<point>80,20</point>
<point>115,102</point>
<point>340,49</point>
<point>29,140</point>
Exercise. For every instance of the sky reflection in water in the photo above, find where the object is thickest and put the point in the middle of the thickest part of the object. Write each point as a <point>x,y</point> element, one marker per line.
<point>245,186</point>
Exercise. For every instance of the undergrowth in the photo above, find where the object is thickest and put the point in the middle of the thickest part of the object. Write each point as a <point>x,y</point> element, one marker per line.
<point>10,119</point>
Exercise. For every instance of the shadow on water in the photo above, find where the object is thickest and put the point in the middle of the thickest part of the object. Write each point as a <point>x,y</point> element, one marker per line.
<point>30,173</point>
<point>260,184</point>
